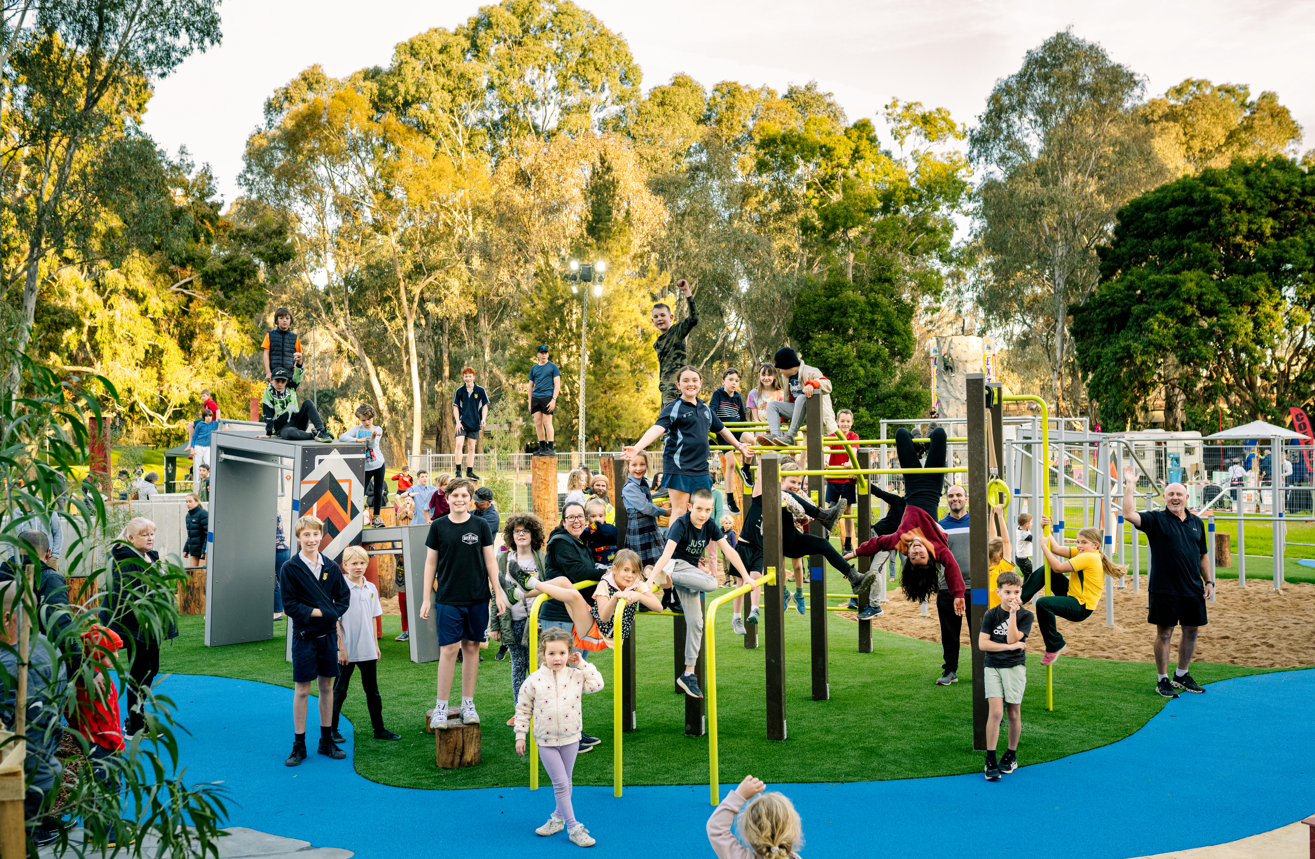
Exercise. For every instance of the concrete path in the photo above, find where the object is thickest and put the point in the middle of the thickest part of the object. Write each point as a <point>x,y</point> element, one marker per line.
<point>243,843</point>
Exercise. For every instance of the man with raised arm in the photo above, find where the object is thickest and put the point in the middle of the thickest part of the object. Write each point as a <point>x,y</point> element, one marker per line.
<point>1179,581</point>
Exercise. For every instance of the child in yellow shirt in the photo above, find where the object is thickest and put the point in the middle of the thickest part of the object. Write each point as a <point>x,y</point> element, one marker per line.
<point>999,553</point>
<point>1089,566</point>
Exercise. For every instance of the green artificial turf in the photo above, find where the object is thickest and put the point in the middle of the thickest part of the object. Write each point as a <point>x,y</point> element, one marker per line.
<point>886,718</point>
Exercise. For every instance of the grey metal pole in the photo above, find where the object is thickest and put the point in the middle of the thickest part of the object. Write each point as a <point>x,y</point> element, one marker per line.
<point>1210,550</point>
<point>1107,519</point>
<point>1039,473</point>
<point>584,334</point>
<point>1276,507</point>
<point>1241,541</point>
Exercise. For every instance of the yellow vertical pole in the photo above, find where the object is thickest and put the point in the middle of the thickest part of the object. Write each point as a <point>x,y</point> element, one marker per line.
<point>534,666</point>
<point>618,669</point>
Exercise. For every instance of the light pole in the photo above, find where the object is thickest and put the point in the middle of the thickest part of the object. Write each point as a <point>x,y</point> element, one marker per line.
<point>585,273</point>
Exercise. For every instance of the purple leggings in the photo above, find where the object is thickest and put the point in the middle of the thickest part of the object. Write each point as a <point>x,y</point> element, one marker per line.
<point>559,761</point>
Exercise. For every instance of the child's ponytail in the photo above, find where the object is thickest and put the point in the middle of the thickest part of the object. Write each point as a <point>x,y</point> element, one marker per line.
<point>1111,569</point>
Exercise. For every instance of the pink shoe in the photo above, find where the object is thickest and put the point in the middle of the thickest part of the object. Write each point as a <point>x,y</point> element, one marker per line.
<point>1050,657</point>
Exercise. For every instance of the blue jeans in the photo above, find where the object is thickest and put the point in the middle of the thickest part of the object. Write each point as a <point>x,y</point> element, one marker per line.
<point>280,558</point>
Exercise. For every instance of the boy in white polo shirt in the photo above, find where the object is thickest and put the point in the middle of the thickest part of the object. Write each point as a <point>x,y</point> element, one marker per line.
<point>357,645</point>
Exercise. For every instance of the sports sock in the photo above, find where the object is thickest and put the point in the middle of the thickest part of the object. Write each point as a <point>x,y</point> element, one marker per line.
<point>1180,672</point>
<point>440,704</point>
<point>736,615</point>
<point>467,702</point>
<point>990,756</point>
<point>326,734</point>
<point>299,739</point>
<point>1164,676</point>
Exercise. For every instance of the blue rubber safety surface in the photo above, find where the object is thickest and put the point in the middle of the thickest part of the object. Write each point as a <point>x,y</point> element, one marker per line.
<point>1211,768</point>
<point>1303,561</point>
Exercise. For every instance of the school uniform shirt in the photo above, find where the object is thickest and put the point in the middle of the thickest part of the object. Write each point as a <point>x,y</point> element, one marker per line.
<point>1176,549</point>
<point>1001,566</point>
<point>841,458</point>
<point>1087,581</point>
<point>461,578</point>
<point>305,587</point>
<point>358,622</point>
<point>692,542</point>
<point>995,623</point>
<point>469,404</point>
<point>374,455</point>
<point>687,424</point>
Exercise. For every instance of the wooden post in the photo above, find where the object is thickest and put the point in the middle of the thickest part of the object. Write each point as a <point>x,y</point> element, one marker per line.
<point>750,629</point>
<point>191,591</point>
<point>98,432</point>
<point>1223,557</point>
<point>978,476</point>
<point>543,487</point>
<point>457,746</point>
<point>695,723</point>
<point>629,717</point>
<point>817,600</point>
<point>862,526</point>
<point>773,607</point>
<point>253,407</point>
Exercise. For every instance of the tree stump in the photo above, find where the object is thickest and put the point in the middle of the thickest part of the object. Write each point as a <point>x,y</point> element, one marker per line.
<point>457,746</point>
<point>544,487</point>
<point>1223,557</point>
<point>191,592</point>
<point>81,590</point>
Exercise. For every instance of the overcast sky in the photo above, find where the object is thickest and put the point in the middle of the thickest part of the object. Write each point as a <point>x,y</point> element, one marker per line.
<point>944,54</point>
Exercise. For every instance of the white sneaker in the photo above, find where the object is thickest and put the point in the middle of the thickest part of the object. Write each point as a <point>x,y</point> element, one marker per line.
<point>554,825</point>
<point>737,624</point>
<point>438,718</point>
<point>580,836</point>
<point>468,715</point>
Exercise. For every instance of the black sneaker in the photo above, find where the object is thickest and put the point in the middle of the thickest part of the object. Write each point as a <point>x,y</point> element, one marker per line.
<point>992,771</point>
<point>338,738</point>
<point>298,755</point>
<point>385,734</point>
<point>583,749</point>
<point>43,835</point>
<point>587,740</point>
<point>470,474</point>
<point>690,684</point>
<point>1008,763</point>
<point>947,678</point>
<point>405,636</point>
<point>1187,684</point>
<point>873,610</point>
<point>1165,688</point>
<point>501,654</point>
<point>325,437</point>
<point>675,606</point>
<point>849,546</point>
<point>329,750</point>
<point>732,504</point>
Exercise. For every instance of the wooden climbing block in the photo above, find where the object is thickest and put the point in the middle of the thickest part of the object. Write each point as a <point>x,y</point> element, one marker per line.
<point>543,475</point>
<point>457,746</point>
<point>1223,555</point>
<point>191,592</point>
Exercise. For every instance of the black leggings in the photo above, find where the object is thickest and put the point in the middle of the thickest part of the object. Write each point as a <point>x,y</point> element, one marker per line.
<point>922,490</point>
<point>1035,582</point>
<point>889,523</point>
<point>795,544</point>
<point>141,674</point>
<point>374,488</point>
<point>299,425</point>
<point>370,682</point>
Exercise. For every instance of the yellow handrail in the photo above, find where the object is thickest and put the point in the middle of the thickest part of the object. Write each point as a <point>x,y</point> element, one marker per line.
<point>618,667</point>
<point>1044,468</point>
<point>839,472</point>
<point>862,442</point>
<point>534,665</point>
<point>710,649</point>
<point>852,450</point>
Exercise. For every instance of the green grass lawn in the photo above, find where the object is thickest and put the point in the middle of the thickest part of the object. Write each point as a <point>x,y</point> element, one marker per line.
<point>886,718</point>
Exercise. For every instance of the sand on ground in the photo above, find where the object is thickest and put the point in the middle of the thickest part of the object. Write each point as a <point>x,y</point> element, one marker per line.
<point>1253,626</point>
<point>1289,842</point>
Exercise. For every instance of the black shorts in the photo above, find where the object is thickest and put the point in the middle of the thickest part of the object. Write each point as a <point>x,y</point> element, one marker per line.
<point>836,491</point>
<point>315,657</point>
<point>472,434</point>
<point>1176,610</point>
<point>457,623</point>
<point>540,404</point>
<point>752,556</point>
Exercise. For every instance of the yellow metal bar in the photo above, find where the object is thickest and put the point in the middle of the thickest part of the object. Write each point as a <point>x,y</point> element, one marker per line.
<point>710,649</point>
<point>1045,487</point>
<point>843,471</point>
<point>852,450</point>
<point>862,442</point>
<point>618,667</point>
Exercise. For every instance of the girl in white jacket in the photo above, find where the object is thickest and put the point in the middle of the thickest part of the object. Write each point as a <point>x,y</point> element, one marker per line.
<point>552,695</point>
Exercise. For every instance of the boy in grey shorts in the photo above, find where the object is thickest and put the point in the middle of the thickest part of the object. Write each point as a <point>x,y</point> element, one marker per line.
<point>687,540</point>
<point>1003,639</point>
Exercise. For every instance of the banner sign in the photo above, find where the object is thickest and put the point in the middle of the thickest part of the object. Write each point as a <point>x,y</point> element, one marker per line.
<point>1301,424</point>
<point>989,359</point>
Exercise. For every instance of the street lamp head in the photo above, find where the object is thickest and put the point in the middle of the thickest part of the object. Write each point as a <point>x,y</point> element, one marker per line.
<point>600,266</point>
<point>575,290</point>
<point>598,289</point>
<point>575,265</point>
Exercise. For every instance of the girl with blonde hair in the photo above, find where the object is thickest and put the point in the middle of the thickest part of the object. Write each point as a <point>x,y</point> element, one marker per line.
<point>750,824</point>
<point>1073,598</point>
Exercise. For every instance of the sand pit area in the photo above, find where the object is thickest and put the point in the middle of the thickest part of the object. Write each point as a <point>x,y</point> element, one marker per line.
<point>1251,626</point>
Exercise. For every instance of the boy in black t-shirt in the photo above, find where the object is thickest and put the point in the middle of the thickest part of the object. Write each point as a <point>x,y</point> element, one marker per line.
<point>1003,638</point>
<point>460,571</point>
<point>687,541</point>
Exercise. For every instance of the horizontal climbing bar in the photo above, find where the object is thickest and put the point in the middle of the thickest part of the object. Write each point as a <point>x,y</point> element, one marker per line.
<point>822,472</point>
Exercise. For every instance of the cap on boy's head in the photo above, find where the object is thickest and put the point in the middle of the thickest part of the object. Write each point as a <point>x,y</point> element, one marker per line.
<point>282,373</point>
<point>543,349</point>
<point>785,359</point>
<point>483,494</point>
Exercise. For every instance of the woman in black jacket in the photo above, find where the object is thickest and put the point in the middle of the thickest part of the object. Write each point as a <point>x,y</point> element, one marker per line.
<point>127,587</point>
<point>198,527</point>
